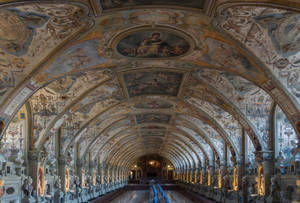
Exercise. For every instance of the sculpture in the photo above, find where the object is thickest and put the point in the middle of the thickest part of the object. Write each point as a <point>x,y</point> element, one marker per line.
<point>88,181</point>
<point>275,189</point>
<point>77,182</point>
<point>289,192</point>
<point>296,150</point>
<point>48,190</point>
<point>252,189</point>
<point>226,185</point>
<point>245,183</point>
<point>58,194</point>
<point>27,187</point>
<point>282,162</point>
<point>98,180</point>
<point>57,184</point>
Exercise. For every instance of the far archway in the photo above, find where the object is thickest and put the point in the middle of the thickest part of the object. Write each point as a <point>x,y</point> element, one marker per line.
<point>152,167</point>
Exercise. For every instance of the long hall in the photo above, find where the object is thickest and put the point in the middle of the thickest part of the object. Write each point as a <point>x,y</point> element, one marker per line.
<point>149,101</point>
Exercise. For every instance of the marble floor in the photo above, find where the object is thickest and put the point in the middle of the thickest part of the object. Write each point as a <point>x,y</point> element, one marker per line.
<point>176,197</point>
<point>142,196</point>
<point>138,196</point>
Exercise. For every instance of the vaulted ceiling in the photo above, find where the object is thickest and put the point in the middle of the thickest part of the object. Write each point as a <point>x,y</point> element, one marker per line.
<point>129,78</point>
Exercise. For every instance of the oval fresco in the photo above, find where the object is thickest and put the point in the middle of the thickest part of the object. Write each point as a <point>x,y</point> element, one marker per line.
<point>153,105</point>
<point>153,44</point>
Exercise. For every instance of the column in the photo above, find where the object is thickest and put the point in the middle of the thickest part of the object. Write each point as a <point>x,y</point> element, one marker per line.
<point>167,173</point>
<point>199,174</point>
<point>187,175</point>
<point>212,170</point>
<point>135,174</point>
<point>268,164</point>
<point>33,164</point>
<point>241,161</point>
<point>225,163</point>
<point>62,171</point>
<point>191,179</point>
<point>243,186</point>
<point>77,161</point>
<point>269,159</point>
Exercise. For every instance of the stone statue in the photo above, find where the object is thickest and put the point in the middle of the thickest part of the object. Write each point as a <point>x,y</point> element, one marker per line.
<point>27,187</point>
<point>245,183</point>
<point>98,180</point>
<point>88,181</point>
<point>289,193</point>
<point>48,190</point>
<point>77,183</point>
<point>58,194</point>
<point>282,162</point>
<point>226,181</point>
<point>252,189</point>
<point>296,150</point>
<point>275,189</point>
<point>57,184</point>
<point>226,185</point>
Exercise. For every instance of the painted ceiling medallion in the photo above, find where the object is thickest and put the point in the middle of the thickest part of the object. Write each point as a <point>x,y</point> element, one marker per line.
<point>153,83</point>
<point>153,127</point>
<point>153,133</point>
<point>153,118</point>
<point>153,105</point>
<point>110,4</point>
<point>153,44</point>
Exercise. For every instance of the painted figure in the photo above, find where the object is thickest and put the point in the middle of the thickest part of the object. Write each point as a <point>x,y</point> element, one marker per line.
<point>148,44</point>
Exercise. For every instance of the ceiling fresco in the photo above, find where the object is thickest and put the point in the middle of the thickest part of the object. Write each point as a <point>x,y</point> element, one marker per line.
<point>153,127</point>
<point>252,101</point>
<point>33,31</point>
<point>83,55</point>
<point>152,44</point>
<point>109,4</point>
<point>153,105</point>
<point>20,33</point>
<point>152,133</point>
<point>272,35</point>
<point>147,83</point>
<point>188,78</point>
<point>153,118</point>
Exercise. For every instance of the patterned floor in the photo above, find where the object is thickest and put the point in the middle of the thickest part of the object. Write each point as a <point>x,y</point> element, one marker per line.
<point>139,196</point>
<point>176,197</point>
<point>142,196</point>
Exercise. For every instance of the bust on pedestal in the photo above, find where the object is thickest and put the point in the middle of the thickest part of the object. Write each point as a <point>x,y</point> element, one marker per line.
<point>275,190</point>
<point>58,192</point>
<point>27,190</point>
